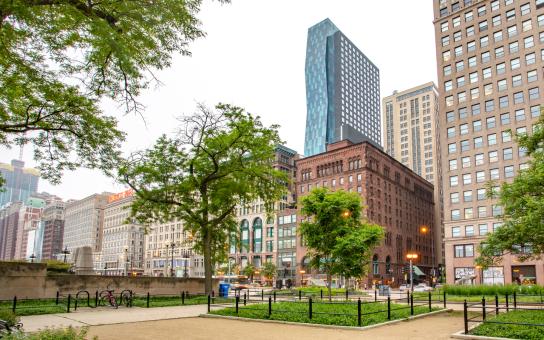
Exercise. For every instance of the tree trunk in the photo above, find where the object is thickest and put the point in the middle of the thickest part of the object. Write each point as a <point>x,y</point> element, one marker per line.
<point>329,284</point>
<point>207,263</point>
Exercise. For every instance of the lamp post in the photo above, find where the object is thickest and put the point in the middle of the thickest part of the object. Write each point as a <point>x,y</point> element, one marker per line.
<point>185,259</point>
<point>172,246</point>
<point>410,257</point>
<point>126,261</point>
<point>32,257</point>
<point>105,267</point>
<point>302,272</point>
<point>65,252</point>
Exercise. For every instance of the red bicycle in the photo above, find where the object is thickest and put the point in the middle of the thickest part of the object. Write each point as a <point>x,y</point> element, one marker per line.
<point>107,297</point>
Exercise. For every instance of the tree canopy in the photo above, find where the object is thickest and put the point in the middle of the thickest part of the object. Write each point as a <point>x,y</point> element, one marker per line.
<point>338,238</point>
<point>59,58</point>
<point>522,230</point>
<point>220,159</point>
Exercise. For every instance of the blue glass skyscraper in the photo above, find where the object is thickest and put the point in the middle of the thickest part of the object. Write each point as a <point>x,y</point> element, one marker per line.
<point>342,91</point>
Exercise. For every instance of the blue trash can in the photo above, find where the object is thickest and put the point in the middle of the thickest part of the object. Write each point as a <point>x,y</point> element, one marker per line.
<point>224,289</point>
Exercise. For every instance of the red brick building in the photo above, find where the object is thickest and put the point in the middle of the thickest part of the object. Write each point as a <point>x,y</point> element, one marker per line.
<point>394,197</point>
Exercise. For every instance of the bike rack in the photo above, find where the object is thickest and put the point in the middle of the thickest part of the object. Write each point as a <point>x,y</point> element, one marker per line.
<point>88,299</point>
<point>121,297</point>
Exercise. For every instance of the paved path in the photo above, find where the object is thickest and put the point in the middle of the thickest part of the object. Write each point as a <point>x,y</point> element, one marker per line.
<point>429,328</point>
<point>107,316</point>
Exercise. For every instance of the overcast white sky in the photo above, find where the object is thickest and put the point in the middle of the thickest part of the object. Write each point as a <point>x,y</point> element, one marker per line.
<point>253,56</point>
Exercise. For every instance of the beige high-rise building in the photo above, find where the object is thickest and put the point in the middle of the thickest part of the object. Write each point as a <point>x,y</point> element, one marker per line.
<point>490,60</point>
<point>410,131</point>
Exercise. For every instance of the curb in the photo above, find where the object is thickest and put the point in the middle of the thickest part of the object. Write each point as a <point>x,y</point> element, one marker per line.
<point>353,328</point>
<point>461,335</point>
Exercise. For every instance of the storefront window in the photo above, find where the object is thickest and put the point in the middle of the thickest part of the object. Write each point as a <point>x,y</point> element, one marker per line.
<point>493,276</point>
<point>525,275</point>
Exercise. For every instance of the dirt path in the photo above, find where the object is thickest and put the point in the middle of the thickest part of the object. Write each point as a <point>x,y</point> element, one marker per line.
<point>430,328</point>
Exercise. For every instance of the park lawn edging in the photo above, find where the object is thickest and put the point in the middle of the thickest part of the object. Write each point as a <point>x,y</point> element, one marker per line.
<point>228,317</point>
<point>462,335</point>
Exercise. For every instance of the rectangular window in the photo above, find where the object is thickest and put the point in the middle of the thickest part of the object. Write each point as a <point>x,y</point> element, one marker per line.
<point>453,164</point>
<point>505,119</point>
<point>503,102</point>
<point>481,194</point>
<point>455,232</point>
<point>470,31</point>
<point>471,62</point>
<point>511,15</point>
<point>518,98</point>
<point>486,57</point>
<point>502,85</point>
<point>447,70</point>
<point>469,230</point>
<point>444,26</point>
<point>532,76</point>
<point>509,171</point>
<point>469,16</point>
<point>529,42</point>
<point>455,214</point>
<point>460,81</point>
<point>486,72</point>
<point>458,51</point>
<point>483,26</point>
<point>527,25</point>
<point>452,148</point>
<point>474,93</point>
<point>513,47</point>
<point>475,109</point>
<point>454,181</point>
<point>464,250</point>
<point>450,116</point>
<point>489,105</point>
<point>520,115</point>
<point>482,212</point>
<point>506,136</point>
<point>480,176</point>
<point>467,196</point>
<point>501,68</point>
<point>512,31</point>
<point>446,40</point>
<point>492,139</point>
<point>514,64</point>
<point>465,146</point>
<point>493,156</point>
<point>479,159</point>
<point>463,113</point>
<point>465,162</point>
<point>476,125</point>
<point>507,154</point>
<point>478,142</point>
<point>525,9</point>
<point>496,20</point>
<point>473,77</point>
<point>534,93</point>
<point>459,66</point>
<point>493,174</point>
<point>467,179</point>
<point>463,129</point>
<point>454,197</point>
<point>457,36</point>
<point>497,36</point>
<point>530,58</point>
<point>535,111</point>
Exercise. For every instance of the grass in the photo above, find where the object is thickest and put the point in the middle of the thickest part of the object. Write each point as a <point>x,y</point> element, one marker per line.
<point>514,331</point>
<point>69,333</point>
<point>165,301</point>
<point>437,296</point>
<point>316,291</point>
<point>342,314</point>
<point>470,290</point>
<point>34,307</point>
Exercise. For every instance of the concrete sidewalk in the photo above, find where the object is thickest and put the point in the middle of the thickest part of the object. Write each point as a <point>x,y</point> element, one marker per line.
<point>108,316</point>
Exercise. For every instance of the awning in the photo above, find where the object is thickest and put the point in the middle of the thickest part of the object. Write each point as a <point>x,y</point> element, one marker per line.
<point>418,271</point>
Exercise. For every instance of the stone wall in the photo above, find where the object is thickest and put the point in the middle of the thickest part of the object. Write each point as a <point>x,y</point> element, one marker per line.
<point>31,281</point>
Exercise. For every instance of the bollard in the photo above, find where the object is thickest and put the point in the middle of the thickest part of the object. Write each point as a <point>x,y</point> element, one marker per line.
<point>209,302</point>
<point>57,298</point>
<point>408,297</point>
<point>430,305</point>
<point>496,304</point>
<point>465,316</point>
<point>321,294</point>
<point>359,312</point>
<point>274,296</point>
<point>375,295</point>
<point>244,299</point>
<point>147,300</point>
<point>444,299</point>
<point>310,308</point>
<point>269,306</point>
<point>96,299</point>
<point>411,304</point>
<point>515,301</point>
<point>347,294</point>
<point>237,303</point>
<point>68,305</point>
<point>388,308</point>
<point>182,298</point>
<point>14,307</point>
<point>262,294</point>
<point>299,295</point>
<point>483,309</point>
<point>507,309</point>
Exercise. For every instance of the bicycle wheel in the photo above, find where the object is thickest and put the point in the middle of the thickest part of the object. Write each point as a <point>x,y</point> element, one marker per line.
<point>126,299</point>
<point>113,302</point>
<point>103,298</point>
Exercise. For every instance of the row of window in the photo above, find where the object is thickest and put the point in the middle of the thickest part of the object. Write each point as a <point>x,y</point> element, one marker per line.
<point>475,110</point>
<point>493,157</point>
<point>502,85</point>
<point>518,97</point>
<point>470,230</point>
<point>519,116</point>
<point>468,213</point>
<point>480,177</point>
<point>481,11</point>
<point>478,142</point>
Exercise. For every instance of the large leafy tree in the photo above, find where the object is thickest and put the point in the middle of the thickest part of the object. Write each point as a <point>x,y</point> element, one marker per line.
<point>221,158</point>
<point>59,58</point>
<point>338,237</point>
<point>269,270</point>
<point>522,232</point>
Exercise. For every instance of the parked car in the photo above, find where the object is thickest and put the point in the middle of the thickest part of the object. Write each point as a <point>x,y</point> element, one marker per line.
<point>422,288</point>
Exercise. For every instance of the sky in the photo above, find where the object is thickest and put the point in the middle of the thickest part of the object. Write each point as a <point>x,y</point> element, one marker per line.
<point>253,56</point>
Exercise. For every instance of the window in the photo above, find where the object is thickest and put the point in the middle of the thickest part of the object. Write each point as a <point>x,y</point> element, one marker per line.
<point>496,20</point>
<point>482,212</point>
<point>520,115</point>
<point>467,179</point>
<point>472,62</point>
<point>458,51</point>
<point>461,97</point>
<point>503,102</point>
<point>534,93</point>
<point>450,116</point>
<point>446,55</point>
<point>484,41</point>
<point>492,139</point>
<point>532,76</point>
<point>457,36</point>
<point>470,31</point>
<point>479,159</point>
<point>513,47</point>
<point>493,156</point>
<point>486,56</point>
<point>469,16</point>
<point>447,70</point>
<point>455,232</point>
<point>483,26</point>
<point>509,171</point>
<point>475,109</point>
<point>456,21</point>
<point>463,129</point>
<point>518,98</point>
<point>535,111</point>
<point>451,132</point>
<point>482,229</point>
<point>528,42</point>
<point>514,64</point>
<point>497,211</point>
<point>452,148</point>
<point>525,9</point>
<point>540,20</point>
<point>530,58</point>
<point>505,119</point>
<point>477,125</point>
<point>473,77</point>
<point>510,15</point>
<point>490,121</point>
<point>488,89</point>
<point>448,85</point>
<point>527,25</point>
<point>464,250</point>
<point>467,196</point>
<point>455,214</point>
<point>506,136</point>
<point>494,5</point>
<point>497,36</point>
<point>474,93</point>
<point>446,40</point>
<point>469,230</point>
<point>507,154</point>
<point>465,146</point>
<point>502,85</point>
<point>512,31</point>
<point>449,101</point>
<point>461,81</point>
<point>481,11</point>
<point>486,72</point>
<point>465,162</point>
<point>493,174</point>
<point>454,181</point>
<point>516,80</point>
<point>501,68</point>
<point>459,66</point>
<point>454,197</point>
<point>453,164</point>
<point>478,142</point>
<point>444,26</point>
<point>499,52</point>
<point>481,194</point>
<point>480,176</point>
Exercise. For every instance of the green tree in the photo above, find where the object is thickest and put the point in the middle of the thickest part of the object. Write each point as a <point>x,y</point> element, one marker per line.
<point>220,159</point>
<point>269,271</point>
<point>338,238</point>
<point>59,58</point>
<point>522,201</point>
<point>249,270</point>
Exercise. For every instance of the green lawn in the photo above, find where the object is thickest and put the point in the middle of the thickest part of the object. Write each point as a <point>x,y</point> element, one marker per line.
<point>298,312</point>
<point>490,299</point>
<point>514,331</point>
<point>316,291</point>
<point>35,307</point>
<point>165,301</point>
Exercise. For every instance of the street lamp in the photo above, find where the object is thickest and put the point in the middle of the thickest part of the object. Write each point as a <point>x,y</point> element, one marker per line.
<point>346,213</point>
<point>411,256</point>
<point>32,257</point>
<point>302,272</point>
<point>126,261</point>
<point>65,252</point>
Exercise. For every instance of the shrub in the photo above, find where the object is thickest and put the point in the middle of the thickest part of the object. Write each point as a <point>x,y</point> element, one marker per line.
<point>50,334</point>
<point>57,266</point>
<point>9,317</point>
<point>482,290</point>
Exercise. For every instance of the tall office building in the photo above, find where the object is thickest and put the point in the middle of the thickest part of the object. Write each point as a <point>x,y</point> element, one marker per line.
<point>411,136</point>
<point>342,91</point>
<point>20,182</point>
<point>490,60</point>
<point>50,233</point>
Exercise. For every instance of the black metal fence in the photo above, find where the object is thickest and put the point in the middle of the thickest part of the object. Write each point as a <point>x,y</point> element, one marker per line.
<point>487,311</point>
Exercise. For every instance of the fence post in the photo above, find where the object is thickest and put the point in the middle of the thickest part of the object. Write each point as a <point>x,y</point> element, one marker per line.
<point>465,316</point>
<point>444,299</point>
<point>244,299</point>
<point>96,299</point>
<point>375,295</point>
<point>408,297</point>
<point>412,304</point>
<point>430,301</point>
<point>388,308</point>
<point>347,297</point>
<point>68,305</point>
<point>310,307</point>
<point>262,294</point>
<point>237,303</point>
<point>182,298</point>
<point>209,302</point>
<point>359,312</point>
<point>269,306</point>
<point>57,298</point>
<point>147,300</point>
<point>507,309</point>
<point>274,296</point>
<point>321,294</point>
<point>496,304</point>
<point>14,307</point>
<point>515,301</point>
<point>299,295</point>
<point>483,309</point>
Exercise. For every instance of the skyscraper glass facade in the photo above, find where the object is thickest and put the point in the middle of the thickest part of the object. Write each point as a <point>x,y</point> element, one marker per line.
<point>20,182</point>
<point>342,91</point>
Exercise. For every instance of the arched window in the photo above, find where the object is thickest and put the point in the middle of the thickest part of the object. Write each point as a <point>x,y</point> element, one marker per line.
<point>244,230</point>
<point>257,235</point>
<point>375,265</point>
<point>388,265</point>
